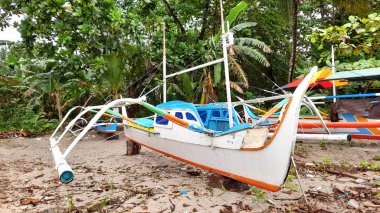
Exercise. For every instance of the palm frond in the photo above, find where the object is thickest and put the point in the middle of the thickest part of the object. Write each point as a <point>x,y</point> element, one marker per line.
<point>175,88</point>
<point>252,53</point>
<point>243,41</point>
<point>241,26</point>
<point>187,86</point>
<point>217,73</point>
<point>236,87</point>
<point>238,71</point>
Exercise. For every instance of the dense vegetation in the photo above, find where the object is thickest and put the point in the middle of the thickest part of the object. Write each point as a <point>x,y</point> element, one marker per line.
<point>76,52</point>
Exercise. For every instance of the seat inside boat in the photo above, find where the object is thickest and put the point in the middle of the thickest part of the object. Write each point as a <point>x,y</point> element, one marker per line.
<point>215,116</point>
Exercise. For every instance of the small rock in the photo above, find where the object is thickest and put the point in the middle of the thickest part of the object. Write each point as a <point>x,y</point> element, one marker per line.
<point>309,175</point>
<point>324,189</point>
<point>361,181</point>
<point>353,203</point>
<point>309,164</point>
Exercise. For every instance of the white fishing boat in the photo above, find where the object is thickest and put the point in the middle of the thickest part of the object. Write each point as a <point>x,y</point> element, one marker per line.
<point>214,140</point>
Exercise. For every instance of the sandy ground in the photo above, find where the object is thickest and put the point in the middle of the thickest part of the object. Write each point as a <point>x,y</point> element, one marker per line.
<point>106,180</point>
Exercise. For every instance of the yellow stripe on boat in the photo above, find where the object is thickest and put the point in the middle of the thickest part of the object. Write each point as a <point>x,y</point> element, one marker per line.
<point>147,129</point>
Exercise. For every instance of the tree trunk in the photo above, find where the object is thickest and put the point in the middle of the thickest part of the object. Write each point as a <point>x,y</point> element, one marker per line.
<point>174,16</point>
<point>58,104</point>
<point>294,40</point>
<point>204,20</point>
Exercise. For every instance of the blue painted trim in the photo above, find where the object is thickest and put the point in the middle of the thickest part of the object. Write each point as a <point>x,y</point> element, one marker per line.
<point>351,96</point>
<point>250,113</point>
<point>110,128</point>
<point>351,118</point>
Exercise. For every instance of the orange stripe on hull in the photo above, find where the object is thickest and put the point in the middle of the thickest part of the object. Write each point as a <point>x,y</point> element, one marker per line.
<point>310,125</point>
<point>257,183</point>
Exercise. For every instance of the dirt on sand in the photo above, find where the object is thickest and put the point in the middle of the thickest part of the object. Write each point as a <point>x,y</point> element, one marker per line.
<point>106,180</point>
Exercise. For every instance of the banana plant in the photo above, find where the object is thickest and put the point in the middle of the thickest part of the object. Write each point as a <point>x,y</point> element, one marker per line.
<point>246,46</point>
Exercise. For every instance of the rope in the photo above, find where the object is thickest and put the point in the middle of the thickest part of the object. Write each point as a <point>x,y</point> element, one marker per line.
<point>153,69</point>
<point>264,75</point>
<point>299,181</point>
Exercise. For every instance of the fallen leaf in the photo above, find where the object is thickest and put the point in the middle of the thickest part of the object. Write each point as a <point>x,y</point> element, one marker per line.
<point>185,205</point>
<point>32,201</point>
<point>245,207</point>
<point>227,209</point>
<point>193,173</point>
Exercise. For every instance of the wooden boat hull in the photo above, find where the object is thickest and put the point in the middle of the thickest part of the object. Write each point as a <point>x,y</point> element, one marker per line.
<point>255,167</point>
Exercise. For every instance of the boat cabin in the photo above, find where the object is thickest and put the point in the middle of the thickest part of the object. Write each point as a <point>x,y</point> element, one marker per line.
<point>212,116</point>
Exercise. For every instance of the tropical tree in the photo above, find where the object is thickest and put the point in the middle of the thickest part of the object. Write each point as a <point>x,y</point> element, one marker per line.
<point>290,10</point>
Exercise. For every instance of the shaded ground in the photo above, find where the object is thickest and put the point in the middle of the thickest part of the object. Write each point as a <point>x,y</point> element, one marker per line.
<point>106,180</point>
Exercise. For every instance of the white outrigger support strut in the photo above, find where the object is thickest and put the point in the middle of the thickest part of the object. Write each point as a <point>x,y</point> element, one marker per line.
<point>65,172</point>
<point>316,111</point>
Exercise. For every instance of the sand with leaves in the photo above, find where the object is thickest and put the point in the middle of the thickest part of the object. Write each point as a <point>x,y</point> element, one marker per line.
<point>106,180</point>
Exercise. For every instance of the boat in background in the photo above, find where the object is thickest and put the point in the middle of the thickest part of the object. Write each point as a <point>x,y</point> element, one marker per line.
<point>354,114</point>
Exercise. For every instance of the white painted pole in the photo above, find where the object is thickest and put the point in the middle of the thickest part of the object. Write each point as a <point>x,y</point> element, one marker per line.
<point>333,70</point>
<point>226,71</point>
<point>195,68</point>
<point>164,65</point>
<point>320,137</point>
<point>316,111</point>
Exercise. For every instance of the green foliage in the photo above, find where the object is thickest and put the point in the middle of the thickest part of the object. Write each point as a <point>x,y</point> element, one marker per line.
<point>104,202</point>
<point>326,160</point>
<point>288,183</point>
<point>291,186</point>
<point>369,165</point>
<point>290,178</point>
<point>70,203</point>
<point>357,39</point>
<point>323,145</point>
<point>364,163</point>
<point>71,50</point>
<point>376,158</point>
<point>235,12</point>
<point>26,120</point>
<point>259,195</point>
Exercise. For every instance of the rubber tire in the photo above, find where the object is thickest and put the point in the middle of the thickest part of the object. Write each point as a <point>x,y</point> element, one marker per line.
<point>132,148</point>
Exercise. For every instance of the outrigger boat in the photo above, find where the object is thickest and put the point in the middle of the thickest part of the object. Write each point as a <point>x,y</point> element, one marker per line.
<point>241,152</point>
<point>357,115</point>
<point>212,136</point>
<point>354,114</point>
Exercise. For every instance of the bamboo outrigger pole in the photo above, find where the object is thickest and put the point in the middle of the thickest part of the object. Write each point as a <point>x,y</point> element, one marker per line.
<point>164,64</point>
<point>333,71</point>
<point>226,71</point>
